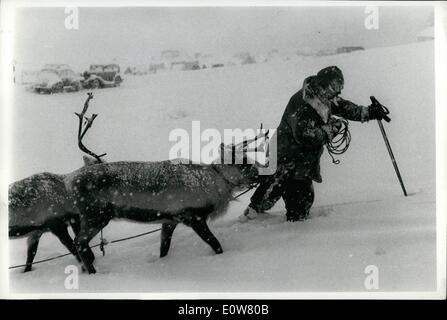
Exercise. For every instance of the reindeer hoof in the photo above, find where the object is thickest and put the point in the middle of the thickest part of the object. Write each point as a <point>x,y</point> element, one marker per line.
<point>27,269</point>
<point>91,269</point>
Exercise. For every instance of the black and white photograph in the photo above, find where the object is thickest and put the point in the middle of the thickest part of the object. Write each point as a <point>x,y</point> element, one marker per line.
<point>223,150</point>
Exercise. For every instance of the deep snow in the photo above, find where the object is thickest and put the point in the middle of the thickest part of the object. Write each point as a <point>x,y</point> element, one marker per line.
<point>360,217</point>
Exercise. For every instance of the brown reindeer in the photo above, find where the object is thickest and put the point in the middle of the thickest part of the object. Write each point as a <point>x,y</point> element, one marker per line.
<point>156,192</point>
<point>40,203</point>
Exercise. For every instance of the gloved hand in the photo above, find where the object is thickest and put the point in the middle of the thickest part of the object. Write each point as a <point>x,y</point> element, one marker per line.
<point>376,112</point>
<point>332,127</point>
<point>336,124</point>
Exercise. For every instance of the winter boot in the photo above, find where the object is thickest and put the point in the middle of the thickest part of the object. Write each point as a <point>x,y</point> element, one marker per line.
<point>249,214</point>
<point>293,216</point>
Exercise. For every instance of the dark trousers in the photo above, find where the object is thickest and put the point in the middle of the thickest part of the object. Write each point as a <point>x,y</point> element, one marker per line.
<point>298,194</point>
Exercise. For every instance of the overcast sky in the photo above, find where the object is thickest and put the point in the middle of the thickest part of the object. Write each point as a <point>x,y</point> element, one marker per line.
<point>132,35</point>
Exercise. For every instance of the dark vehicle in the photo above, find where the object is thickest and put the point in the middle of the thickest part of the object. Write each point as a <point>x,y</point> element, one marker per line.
<point>55,78</point>
<point>102,76</point>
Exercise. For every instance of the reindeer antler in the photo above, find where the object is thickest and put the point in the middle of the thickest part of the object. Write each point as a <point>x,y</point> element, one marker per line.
<point>244,144</point>
<point>88,124</point>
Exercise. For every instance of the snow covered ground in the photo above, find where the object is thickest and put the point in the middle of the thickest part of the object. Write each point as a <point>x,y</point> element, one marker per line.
<point>360,217</point>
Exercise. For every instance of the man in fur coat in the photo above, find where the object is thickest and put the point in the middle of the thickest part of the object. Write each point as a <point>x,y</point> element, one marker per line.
<point>307,125</point>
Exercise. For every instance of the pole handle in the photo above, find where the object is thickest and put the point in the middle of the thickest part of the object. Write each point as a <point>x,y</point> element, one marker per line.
<point>385,110</point>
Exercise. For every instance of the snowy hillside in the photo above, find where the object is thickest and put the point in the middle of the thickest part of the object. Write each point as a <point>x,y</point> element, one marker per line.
<point>360,217</point>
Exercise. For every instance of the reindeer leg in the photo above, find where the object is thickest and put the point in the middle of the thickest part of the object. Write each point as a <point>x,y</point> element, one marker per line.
<point>167,229</point>
<point>88,231</point>
<point>83,249</point>
<point>59,229</point>
<point>90,228</point>
<point>75,224</point>
<point>33,243</point>
<point>199,225</point>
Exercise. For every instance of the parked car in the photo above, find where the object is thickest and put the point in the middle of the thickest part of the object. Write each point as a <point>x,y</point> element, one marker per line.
<point>54,78</point>
<point>102,76</point>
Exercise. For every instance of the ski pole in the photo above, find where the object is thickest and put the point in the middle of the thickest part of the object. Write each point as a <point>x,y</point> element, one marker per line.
<point>387,143</point>
<point>382,129</point>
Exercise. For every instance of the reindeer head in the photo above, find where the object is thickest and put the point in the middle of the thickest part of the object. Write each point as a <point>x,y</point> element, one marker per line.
<point>244,170</point>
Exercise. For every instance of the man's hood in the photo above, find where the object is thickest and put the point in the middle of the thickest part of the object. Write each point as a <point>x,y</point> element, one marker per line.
<point>320,104</point>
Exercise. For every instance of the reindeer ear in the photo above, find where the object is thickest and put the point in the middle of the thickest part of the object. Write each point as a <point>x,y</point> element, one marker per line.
<point>89,161</point>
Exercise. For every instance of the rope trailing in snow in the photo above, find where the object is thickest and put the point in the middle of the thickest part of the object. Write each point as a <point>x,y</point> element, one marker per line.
<point>340,143</point>
<point>96,245</point>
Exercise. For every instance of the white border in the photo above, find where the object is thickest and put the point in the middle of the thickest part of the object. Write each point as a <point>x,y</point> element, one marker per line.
<point>441,141</point>
<point>212,3</point>
<point>7,26</point>
<point>6,55</point>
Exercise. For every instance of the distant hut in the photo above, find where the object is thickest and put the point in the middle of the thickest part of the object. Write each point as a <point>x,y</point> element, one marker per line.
<point>211,61</point>
<point>179,61</point>
<point>348,49</point>
<point>242,58</point>
<point>273,56</point>
<point>128,70</point>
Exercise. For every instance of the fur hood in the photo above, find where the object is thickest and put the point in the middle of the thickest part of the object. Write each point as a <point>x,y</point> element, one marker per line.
<point>315,99</point>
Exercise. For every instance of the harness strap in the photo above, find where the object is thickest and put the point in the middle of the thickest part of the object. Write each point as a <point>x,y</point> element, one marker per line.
<point>248,189</point>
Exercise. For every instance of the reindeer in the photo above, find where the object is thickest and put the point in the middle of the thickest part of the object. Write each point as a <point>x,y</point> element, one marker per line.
<point>157,192</point>
<point>40,203</point>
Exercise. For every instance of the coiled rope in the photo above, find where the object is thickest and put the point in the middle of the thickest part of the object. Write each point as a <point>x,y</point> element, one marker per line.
<point>340,143</point>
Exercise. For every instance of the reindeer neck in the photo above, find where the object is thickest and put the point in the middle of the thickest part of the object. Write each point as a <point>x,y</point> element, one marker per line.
<point>225,171</point>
